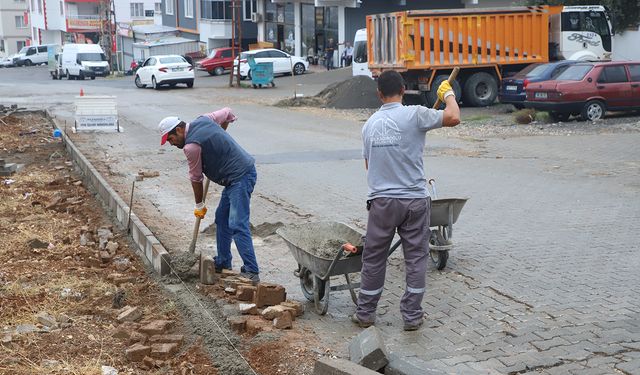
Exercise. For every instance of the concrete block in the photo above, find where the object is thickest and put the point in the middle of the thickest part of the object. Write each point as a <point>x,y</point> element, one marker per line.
<point>298,306</point>
<point>246,292</point>
<point>339,366</point>
<point>367,349</point>
<point>269,295</point>
<point>284,321</point>
<point>129,314</point>
<point>137,352</point>
<point>207,270</point>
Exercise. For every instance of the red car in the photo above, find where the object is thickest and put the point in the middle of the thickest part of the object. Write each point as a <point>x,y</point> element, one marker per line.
<point>588,90</point>
<point>218,60</point>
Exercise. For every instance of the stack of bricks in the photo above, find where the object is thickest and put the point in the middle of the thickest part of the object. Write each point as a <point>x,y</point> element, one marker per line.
<point>7,169</point>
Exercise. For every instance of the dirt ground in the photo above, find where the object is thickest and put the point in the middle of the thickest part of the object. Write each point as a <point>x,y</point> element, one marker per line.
<point>66,275</point>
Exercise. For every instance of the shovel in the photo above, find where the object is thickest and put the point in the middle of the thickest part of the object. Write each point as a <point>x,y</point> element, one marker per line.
<point>196,228</point>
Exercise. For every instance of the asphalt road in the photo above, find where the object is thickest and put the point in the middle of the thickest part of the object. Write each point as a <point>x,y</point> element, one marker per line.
<point>543,278</point>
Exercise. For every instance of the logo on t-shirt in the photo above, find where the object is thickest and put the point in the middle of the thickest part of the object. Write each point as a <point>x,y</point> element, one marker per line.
<point>384,133</point>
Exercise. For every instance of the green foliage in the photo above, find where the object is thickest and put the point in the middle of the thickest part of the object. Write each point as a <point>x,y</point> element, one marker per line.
<point>626,13</point>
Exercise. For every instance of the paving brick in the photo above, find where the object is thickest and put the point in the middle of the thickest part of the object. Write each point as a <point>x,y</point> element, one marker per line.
<point>164,350</point>
<point>368,349</point>
<point>245,292</point>
<point>269,295</point>
<point>631,367</point>
<point>338,366</point>
<point>137,352</point>
<point>156,327</point>
<point>410,366</point>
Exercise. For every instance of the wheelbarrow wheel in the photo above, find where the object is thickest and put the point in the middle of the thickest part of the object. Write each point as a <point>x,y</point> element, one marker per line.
<point>306,284</point>
<point>439,258</point>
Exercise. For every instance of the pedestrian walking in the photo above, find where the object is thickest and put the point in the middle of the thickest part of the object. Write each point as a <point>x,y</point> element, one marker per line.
<point>347,55</point>
<point>398,198</point>
<point>328,53</point>
<point>212,152</point>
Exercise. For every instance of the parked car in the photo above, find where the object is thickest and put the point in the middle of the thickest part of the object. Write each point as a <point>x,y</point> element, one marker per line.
<point>218,60</point>
<point>7,62</point>
<point>588,90</point>
<point>512,90</point>
<point>34,55</point>
<point>283,62</point>
<point>165,70</point>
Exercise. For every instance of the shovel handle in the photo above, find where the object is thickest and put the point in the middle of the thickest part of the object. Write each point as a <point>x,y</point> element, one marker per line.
<point>452,77</point>
<point>196,227</point>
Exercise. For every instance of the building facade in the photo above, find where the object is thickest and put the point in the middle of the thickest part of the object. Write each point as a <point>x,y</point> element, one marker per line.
<point>14,26</point>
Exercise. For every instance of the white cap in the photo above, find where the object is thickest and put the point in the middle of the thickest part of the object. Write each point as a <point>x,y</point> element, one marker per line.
<point>166,125</point>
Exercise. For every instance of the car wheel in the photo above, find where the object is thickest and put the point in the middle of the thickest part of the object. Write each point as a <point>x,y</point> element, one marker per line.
<point>81,76</point>
<point>92,78</point>
<point>594,110</point>
<point>69,77</point>
<point>518,106</point>
<point>154,84</point>
<point>211,72</point>
<point>298,69</point>
<point>139,82</point>
<point>242,78</point>
<point>480,90</point>
<point>218,71</point>
<point>190,84</point>
<point>28,63</point>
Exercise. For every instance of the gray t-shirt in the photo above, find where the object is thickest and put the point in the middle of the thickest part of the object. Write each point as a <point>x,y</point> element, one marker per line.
<point>394,139</point>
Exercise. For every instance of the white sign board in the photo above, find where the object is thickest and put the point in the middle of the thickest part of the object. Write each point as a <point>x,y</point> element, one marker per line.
<point>96,113</point>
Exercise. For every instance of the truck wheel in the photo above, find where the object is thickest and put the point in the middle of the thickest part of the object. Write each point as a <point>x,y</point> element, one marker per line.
<point>432,95</point>
<point>218,71</point>
<point>480,90</point>
<point>28,63</point>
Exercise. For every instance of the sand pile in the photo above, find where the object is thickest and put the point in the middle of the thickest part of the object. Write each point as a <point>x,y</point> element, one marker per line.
<point>356,92</point>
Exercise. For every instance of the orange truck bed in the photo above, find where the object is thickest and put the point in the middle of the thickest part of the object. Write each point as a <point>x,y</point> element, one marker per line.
<point>432,39</point>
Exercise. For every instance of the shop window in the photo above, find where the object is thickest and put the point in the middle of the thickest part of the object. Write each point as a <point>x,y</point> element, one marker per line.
<point>168,6</point>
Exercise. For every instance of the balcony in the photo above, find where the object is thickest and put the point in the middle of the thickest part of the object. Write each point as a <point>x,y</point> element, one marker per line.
<point>83,22</point>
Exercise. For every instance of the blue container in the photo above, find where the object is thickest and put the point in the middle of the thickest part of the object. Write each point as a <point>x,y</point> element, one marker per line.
<point>261,73</point>
<point>57,133</point>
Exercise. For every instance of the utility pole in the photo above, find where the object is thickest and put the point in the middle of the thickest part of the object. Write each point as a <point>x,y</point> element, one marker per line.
<point>106,36</point>
<point>236,22</point>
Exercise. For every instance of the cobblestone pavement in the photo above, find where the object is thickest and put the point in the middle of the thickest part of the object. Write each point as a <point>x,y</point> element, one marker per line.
<point>544,276</point>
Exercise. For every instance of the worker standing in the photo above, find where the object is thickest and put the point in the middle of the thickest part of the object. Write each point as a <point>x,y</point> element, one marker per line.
<point>212,152</point>
<point>398,198</point>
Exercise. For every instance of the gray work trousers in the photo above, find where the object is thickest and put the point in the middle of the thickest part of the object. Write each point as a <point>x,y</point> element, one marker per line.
<point>410,217</point>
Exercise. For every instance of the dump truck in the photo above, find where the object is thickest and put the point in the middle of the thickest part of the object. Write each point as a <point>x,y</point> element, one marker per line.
<point>487,44</point>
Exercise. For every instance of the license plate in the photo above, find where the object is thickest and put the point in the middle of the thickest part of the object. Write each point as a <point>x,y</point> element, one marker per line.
<point>177,69</point>
<point>541,95</point>
<point>512,88</point>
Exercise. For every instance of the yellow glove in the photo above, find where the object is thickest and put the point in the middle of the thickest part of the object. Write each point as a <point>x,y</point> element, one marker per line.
<point>445,90</point>
<point>200,210</point>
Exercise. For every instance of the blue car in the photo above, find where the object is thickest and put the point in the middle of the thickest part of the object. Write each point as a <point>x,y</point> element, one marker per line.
<point>512,90</point>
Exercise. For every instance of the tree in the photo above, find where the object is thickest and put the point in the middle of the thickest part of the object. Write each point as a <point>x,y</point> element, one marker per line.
<point>626,13</point>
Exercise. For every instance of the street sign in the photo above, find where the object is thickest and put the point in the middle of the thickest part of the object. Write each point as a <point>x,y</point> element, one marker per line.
<point>96,113</point>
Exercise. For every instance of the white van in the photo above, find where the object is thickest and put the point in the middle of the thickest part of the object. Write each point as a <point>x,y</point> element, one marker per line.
<point>33,55</point>
<point>84,60</point>
<point>359,66</point>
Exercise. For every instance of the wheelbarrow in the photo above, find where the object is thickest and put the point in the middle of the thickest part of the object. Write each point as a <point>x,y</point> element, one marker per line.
<point>261,73</point>
<point>315,268</point>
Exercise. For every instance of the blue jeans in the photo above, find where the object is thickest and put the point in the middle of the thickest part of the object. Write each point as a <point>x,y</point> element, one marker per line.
<point>232,223</point>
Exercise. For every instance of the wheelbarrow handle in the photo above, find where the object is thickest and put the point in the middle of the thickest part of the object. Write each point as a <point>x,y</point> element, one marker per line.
<point>432,183</point>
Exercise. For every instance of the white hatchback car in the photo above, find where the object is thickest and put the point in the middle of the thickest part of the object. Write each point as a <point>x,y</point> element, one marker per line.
<point>283,62</point>
<point>165,70</point>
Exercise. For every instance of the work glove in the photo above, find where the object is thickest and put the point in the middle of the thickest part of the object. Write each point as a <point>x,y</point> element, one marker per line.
<point>445,90</point>
<point>200,210</point>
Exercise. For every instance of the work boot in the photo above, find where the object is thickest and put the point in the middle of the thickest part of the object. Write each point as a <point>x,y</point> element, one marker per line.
<point>218,267</point>
<point>360,323</point>
<point>413,326</point>
<point>254,277</point>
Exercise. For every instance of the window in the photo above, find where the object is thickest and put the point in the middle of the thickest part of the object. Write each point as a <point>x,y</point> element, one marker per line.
<point>575,72</point>
<point>360,51</point>
<point>40,6</point>
<point>137,10</point>
<point>216,10</point>
<point>20,44</point>
<point>158,8</point>
<point>31,51</point>
<point>277,54</point>
<point>585,21</point>
<point>20,22</point>
<point>249,6</point>
<point>635,73</point>
<point>558,71</point>
<point>613,74</point>
<point>227,53</point>
<point>61,8</point>
<point>188,8</point>
<point>148,13</point>
<point>168,6</point>
<point>42,49</point>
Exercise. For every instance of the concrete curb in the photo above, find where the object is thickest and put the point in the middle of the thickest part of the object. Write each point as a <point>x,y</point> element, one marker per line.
<point>148,246</point>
